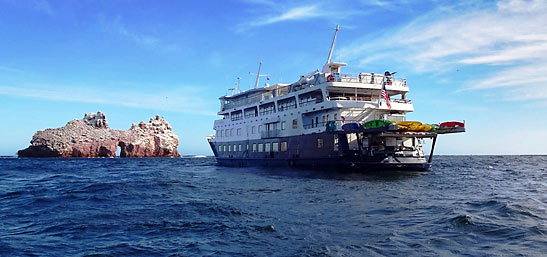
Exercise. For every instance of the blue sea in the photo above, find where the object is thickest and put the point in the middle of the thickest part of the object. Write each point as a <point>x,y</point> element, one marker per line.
<point>464,205</point>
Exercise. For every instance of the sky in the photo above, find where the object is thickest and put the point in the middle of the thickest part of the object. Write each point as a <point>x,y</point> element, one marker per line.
<point>484,62</point>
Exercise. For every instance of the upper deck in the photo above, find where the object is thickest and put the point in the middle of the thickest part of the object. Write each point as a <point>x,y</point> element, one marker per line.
<point>343,86</point>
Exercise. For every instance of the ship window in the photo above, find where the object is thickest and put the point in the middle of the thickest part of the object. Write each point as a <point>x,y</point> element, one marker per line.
<point>294,123</point>
<point>231,132</point>
<point>268,108</point>
<point>319,143</point>
<point>259,128</point>
<point>224,148</point>
<point>239,148</point>
<point>267,147</point>
<point>229,148</point>
<point>323,119</point>
<point>247,147</point>
<point>220,148</point>
<point>286,104</point>
<point>260,148</point>
<point>226,133</point>
<point>328,118</point>
<point>251,112</point>
<point>311,98</point>
<point>335,143</point>
<point>335,116</point>
<point>283,146</point>
<point>275,147</point>
<point>254,129</point>
<point>237,115</point>
<point>239,131</point>
<point>235,149</point>
<point>316,121</point>
<point>283,125</point>
<point>254,147</point>
<point>220,133</point>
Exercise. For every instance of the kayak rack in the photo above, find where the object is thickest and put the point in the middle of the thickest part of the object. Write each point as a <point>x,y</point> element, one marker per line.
<point>394,131</point>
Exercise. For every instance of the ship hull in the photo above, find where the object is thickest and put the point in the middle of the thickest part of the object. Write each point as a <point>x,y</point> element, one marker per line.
<point>328,151</point>
<point>324,164</point>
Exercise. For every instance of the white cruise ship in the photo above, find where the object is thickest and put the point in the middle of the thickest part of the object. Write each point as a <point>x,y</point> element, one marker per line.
<point>326,119</point>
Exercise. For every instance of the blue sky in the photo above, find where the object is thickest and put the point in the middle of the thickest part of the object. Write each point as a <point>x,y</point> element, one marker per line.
<point>482,62</point>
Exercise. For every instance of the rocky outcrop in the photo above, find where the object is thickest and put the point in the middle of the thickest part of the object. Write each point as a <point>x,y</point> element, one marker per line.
<point>91,137</point>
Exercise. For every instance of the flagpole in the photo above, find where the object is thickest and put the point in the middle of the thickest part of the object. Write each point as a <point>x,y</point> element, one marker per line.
<point>380,95</point>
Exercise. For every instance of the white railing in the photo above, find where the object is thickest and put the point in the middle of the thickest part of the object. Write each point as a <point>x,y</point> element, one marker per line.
<point>365,99</point>
<point>404,101</point>
<point>367,78</point>
<point>310,101</point>
<point>353,98</point>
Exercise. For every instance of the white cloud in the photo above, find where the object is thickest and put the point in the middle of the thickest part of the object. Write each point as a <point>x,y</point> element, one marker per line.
<point>137,38</point>
<point>185,100</point>
<point>510,37</point>
<point>530,93</point>
<point>117,27</point>
<point>525,52</point>
<point>303,12</point>
<point>522,75</point>
<point>296,13</point>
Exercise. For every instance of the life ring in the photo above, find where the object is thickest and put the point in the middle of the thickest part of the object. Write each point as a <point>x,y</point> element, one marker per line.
<point>330,78</point>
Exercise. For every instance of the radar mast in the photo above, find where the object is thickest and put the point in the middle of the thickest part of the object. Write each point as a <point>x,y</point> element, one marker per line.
<point>326,66</point>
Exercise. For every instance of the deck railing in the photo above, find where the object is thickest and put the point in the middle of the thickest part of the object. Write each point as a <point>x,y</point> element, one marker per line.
<point>365,99</point>
<point>310,101</point>
<point>367,78</point>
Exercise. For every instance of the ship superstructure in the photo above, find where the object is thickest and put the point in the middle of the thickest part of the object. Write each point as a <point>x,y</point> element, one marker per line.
<point>319,121</point>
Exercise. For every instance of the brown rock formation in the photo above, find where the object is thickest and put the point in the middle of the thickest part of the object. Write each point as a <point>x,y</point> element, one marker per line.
<point>91,137</point>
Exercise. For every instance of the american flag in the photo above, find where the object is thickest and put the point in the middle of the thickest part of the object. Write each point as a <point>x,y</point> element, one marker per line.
<point>385,96</point>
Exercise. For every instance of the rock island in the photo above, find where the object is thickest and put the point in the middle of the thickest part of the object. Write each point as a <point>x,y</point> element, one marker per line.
<point>91,137</point>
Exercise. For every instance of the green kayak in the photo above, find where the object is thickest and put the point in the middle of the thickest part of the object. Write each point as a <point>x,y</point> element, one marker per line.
<point>377,123</point>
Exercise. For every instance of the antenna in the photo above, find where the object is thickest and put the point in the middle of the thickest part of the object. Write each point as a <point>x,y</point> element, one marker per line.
<point>332,45</point>
<point>258,74</point>
<point>326,66</point>
<point>237,85</point>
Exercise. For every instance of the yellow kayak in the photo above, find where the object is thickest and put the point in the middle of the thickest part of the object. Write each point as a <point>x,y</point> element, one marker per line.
<point>413,126</point>
<point>424,127</point>
<point>419,128</point>
<point>408,123</point>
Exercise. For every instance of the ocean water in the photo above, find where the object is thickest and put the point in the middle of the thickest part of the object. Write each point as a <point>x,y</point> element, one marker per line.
<point>465,205</point>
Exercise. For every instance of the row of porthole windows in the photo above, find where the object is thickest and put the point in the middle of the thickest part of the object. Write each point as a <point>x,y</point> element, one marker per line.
<point>265,147</point>
<point>230,132</point>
